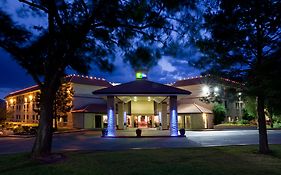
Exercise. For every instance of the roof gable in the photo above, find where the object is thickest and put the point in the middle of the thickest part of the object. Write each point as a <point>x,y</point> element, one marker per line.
<point>141,87</point>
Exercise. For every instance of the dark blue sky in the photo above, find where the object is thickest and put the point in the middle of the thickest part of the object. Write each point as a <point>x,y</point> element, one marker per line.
<point>13,77</point>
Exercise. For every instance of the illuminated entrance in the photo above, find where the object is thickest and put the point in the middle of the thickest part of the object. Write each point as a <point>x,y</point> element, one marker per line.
<point>142,104</point>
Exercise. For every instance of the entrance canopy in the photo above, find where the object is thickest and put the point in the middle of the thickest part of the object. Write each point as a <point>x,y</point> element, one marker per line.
<point>141,88</point>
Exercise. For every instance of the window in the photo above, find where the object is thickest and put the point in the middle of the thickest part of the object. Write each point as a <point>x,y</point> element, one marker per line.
<point>225,104</point>
<point>237,105</point>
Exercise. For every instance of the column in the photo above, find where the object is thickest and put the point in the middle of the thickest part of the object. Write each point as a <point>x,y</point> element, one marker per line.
<point>164,115</point>
<point>111,116</point>
<point>173,116</point>
<point>120,115</point>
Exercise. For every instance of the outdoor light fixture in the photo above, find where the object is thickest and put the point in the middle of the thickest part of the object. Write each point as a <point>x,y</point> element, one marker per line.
<point>135,98</point>
<point>239,93</point>
<point>148,99</point>
<point>216,89</point>
<point>30,97</point>
<point>206,90</point>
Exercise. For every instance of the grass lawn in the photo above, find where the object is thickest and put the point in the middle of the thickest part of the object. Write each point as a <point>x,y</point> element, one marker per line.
<point>210,161</point>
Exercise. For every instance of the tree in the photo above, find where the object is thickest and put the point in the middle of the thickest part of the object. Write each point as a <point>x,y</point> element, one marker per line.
<point>77,33</point>
<point>242,42</point>
<point>219,112</point>
<point>63,102</point>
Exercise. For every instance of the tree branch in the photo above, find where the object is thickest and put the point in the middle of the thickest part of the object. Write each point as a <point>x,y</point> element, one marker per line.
<point>32,4</point>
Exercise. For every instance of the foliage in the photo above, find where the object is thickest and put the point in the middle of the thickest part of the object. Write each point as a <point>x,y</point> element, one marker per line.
<point>243,122</point>
<point>250,107</point>
<point>219,112</point>
<point>243,41</point>
<point>277,125</point>
<point>63,101</point>
<point>80,32</point>
<point>246,115</point>
<point>4,114</point>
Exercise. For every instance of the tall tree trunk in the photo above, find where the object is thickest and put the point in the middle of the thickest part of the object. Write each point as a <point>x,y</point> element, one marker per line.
<point>263,142</point>
<point>43,143</point>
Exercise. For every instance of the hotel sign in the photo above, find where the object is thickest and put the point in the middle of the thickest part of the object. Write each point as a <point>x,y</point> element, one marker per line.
<point>141,75</point>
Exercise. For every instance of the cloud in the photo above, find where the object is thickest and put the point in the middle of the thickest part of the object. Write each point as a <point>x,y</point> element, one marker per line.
<point>166,65</point>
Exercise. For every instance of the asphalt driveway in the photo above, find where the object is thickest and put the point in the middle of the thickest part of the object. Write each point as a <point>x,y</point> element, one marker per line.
<point>91,140</point>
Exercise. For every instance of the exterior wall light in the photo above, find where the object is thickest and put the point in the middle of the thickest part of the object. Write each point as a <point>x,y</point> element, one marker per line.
<point>30,97</point>
<point>216,89</point>
<point>206,90</point>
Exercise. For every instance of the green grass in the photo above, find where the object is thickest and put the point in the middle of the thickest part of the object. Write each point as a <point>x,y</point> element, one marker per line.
<point>210,161</point>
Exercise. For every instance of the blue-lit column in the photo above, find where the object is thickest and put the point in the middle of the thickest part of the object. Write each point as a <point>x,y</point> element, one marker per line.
<point>173,116</point>
<point>111,121</point>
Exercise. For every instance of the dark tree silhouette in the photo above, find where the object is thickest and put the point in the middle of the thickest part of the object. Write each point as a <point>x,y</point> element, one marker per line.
<point>77,33</point>
<point>242,42</point>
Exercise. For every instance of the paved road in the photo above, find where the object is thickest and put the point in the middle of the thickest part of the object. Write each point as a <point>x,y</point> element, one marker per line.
<point>91,140</point>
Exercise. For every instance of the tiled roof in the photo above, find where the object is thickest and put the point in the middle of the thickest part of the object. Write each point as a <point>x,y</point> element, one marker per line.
<point>87,80</point>
<point>141,87</point>
<point>25,90</point>
<point>70,78</point>
<point>91,108</point>
<point>207,79</point>
<point>192,109</point>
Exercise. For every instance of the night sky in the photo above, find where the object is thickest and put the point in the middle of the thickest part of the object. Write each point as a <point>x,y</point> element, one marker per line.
<point>13,77</point>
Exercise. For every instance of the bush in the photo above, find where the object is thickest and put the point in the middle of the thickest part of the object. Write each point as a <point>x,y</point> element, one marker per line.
<point>19,130</point>
<point>243,122</point>
<point>276,125</point>
<point>219,113</point>
<point>247,116</point>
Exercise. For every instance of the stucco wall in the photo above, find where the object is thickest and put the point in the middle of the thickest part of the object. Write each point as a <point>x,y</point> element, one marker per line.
<point>78,120</point>
<point>142,107</point>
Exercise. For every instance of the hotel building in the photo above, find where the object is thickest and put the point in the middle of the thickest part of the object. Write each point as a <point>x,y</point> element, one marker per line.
<point>137,104</point>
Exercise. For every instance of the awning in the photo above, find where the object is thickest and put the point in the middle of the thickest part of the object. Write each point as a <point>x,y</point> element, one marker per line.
<point>192,109</point>
<point>91,108</point>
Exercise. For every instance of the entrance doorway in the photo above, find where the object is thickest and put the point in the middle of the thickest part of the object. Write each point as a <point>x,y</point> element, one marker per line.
<point>142,121</point>
<point>98,121</point>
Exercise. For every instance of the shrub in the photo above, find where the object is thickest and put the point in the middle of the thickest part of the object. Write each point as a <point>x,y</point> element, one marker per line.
<point>247,116</point>
<point>219,113</point>
<point>276,125</point>
<point>18,130</point>
<point>243,122</point>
